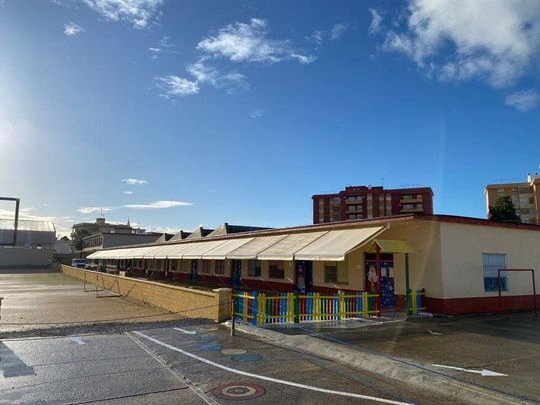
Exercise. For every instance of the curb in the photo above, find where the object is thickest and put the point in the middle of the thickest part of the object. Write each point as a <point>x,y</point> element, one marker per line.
<point>402,371</point>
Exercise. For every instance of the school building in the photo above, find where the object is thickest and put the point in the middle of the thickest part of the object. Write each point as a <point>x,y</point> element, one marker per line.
<point>456,260</point>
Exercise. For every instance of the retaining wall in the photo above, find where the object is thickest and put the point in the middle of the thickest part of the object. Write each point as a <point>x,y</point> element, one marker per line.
<point>186,302</point>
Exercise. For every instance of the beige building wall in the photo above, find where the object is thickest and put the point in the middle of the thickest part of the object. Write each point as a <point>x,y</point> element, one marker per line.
<point>463,246</point>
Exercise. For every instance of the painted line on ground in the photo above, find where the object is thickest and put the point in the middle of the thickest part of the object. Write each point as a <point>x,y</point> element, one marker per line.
<point>274,380</point>
<point>78,340</point>
<point>187,332</point>
<point>178,375</point>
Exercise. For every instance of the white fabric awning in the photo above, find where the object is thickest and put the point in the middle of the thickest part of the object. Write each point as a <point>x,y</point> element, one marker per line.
<point>202,248</point>
<point>220,252</point>
<point>251,249</point>
<point>336,244</point>
<point>140,252</point>
<point>288,246</point>
<point>178,250</point>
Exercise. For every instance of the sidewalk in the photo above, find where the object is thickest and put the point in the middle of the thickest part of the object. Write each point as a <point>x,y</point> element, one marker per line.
<point>315,339</point>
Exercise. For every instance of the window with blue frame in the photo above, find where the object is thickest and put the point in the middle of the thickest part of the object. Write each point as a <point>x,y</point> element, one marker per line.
<point>492,262</point>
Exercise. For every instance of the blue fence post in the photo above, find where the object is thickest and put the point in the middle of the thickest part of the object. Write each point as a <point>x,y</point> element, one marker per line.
<point>359,304</point>
<point>255,308</point>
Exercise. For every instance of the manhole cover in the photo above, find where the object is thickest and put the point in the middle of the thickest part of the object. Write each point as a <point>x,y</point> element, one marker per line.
<point>233,352</point>
<point>246,357</point>
<point>238,391</point>
<point>211,347</point>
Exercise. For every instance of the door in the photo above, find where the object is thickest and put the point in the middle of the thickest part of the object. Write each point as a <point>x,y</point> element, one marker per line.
<point>303,276</point>
<point>388,298</point>
<point>194,270</point>
<point>236,272</point>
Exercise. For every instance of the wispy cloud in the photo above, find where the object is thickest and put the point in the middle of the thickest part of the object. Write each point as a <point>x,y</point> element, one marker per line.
<point>139,13</point>
<point>159,205</point>
<point>171,85</point>
<point>90,210</point>
<point>338,30</point>
<point>164,45</point>
<point>128,192</point>
<point>257,113</point>
<point>134,181</point>
<point>72,29</point>
<point>523,100</point>
<point>458,40</point>
<point>249,42</point>
<point>376,21</point>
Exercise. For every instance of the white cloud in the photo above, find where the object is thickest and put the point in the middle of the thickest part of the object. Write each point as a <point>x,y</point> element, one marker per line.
<point>338,30</point>
<point>128,192</point>
<point>317,37</point>
<point>376,21</point>
<point>139,13</point>
<point>134,181</point>
<point>241,42</point>
<point>171,85</point>
<point>257,113</point>
<point>154,52</point>
<point>523,100</point>
<point>492,40</point>
<point>71,29</point>
<point>90,210</point>
<point>159,205</point>
<point>165,45</point>
<point>161,229</point>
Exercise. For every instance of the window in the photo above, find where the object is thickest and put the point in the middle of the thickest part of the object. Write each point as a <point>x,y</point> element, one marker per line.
<point>330,273</point>
<point>491,263</point>
<point>276,270</point>
<point>219,267</point>
<point>254,268</point>
<point>205,266</point>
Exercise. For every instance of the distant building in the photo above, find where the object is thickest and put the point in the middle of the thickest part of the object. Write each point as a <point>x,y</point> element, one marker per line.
<point>525,197</point>
<point>104,240</point>
<point>366,202</point>
<point>34,247</point>
<point>102,226</point>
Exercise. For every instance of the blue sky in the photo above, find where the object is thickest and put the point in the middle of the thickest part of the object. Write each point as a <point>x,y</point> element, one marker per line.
<point>241,111</point>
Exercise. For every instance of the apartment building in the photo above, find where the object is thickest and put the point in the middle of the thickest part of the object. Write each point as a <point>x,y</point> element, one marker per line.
<point>366,202</point>
<point>525,197</point>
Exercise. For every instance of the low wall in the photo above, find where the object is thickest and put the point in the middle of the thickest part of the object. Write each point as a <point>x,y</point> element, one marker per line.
<point>186,302</point>
<point>12,257</point>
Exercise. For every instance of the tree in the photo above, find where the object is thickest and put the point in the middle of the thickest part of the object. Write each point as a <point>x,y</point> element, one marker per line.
<point>504,211</point>
<point>77,239</point>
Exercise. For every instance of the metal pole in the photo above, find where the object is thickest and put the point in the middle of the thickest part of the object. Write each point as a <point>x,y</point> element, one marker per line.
<point>499,289</point>
<point>17,202</point>
<point>408,284</point>
<point>232,318</point>
<point>379,281</point>
<point>1,298</point>
<point>534,294</point>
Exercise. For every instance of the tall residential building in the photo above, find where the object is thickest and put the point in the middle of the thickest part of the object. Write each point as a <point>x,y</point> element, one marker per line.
<point>525,197</point>
<point>364,202</point>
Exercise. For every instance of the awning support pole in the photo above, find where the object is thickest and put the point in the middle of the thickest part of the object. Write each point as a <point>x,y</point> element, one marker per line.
<point>379,281</point>
<point>408,284</point>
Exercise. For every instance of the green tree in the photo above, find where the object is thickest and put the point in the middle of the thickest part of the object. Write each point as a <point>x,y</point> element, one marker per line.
<point>77,239</point>
<point>504,211</point>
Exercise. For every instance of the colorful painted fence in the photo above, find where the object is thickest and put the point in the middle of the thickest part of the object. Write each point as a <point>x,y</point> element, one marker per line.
<point>259,308</point>
<point>417,301</point>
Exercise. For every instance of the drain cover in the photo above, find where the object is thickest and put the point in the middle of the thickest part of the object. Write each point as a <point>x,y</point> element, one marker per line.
<point>211,347</point>
<point>244,358</point>
<point>238,391</point>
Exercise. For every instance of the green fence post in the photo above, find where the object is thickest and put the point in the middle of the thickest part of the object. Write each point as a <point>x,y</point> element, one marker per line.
<point>296,308</point>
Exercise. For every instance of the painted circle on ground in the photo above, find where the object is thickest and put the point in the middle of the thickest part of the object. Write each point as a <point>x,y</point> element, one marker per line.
<point>211,347</point>
<point>244,358</point>
<point>233,352</point>
<point>238,391</point>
